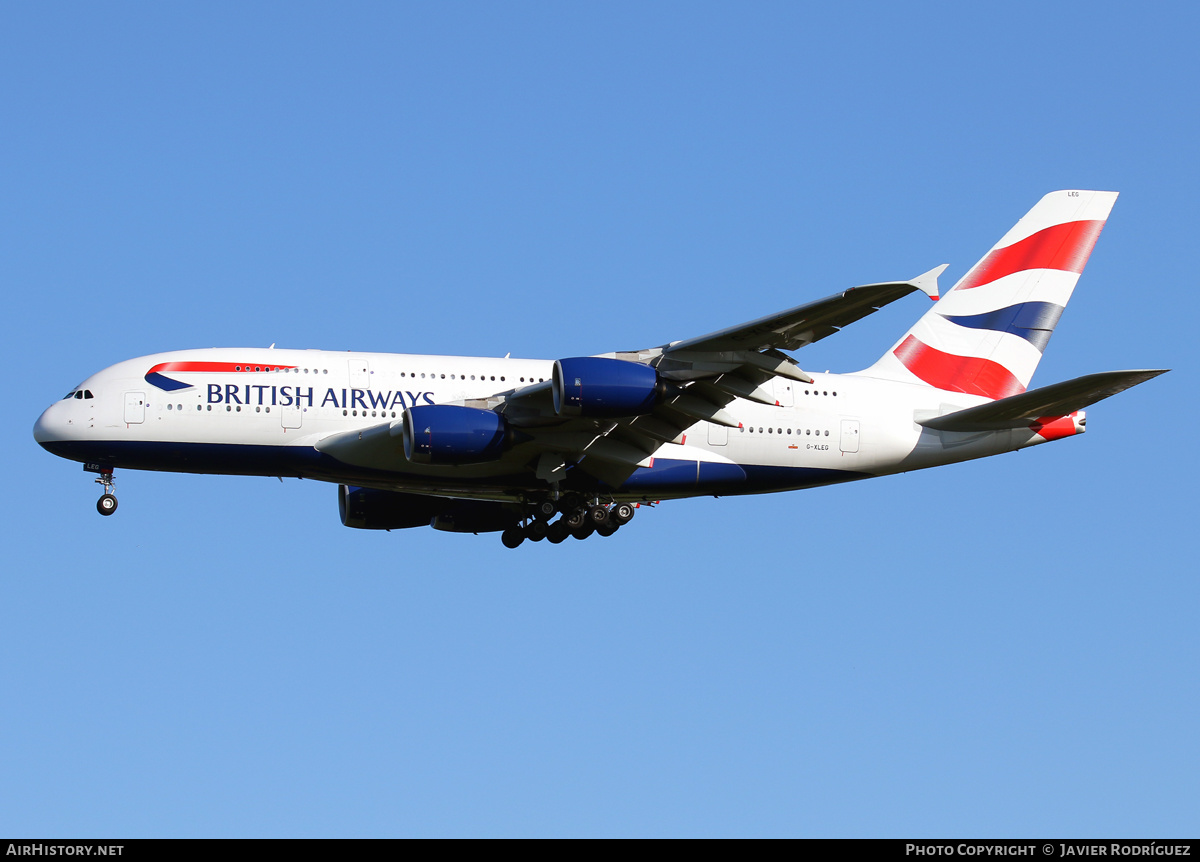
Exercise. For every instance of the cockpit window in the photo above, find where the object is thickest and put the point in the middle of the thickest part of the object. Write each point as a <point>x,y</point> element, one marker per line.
<point>87,393</point>
<point>72,394</point>
<point>79,394</point>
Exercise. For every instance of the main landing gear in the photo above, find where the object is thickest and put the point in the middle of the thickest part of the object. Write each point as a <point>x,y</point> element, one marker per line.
<point>107,504</point>
<point>579,519</point>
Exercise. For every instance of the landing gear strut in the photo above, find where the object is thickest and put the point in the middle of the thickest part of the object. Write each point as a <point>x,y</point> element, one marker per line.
<point>107,504</point>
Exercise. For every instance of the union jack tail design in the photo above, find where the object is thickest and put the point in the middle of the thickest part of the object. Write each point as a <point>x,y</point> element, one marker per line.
<point>986,335</point>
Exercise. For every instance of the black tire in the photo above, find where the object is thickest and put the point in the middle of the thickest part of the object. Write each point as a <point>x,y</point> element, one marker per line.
<point>546,509</point>
<point>535,531</point>
<point>558,531</point>
<point>106,505</point>
<point>512,537</point>
<point>622,513</point>
<point>597,515</point>
<point>583,532</point>
<point>606,530</point>
<point>576,519</point>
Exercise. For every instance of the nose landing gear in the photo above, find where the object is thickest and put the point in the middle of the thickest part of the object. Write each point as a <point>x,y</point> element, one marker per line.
<point>107,504</point>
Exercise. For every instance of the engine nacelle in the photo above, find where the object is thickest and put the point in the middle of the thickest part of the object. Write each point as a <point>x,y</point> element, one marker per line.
<point>371,509</point>
<point>594,386</point>
<point>476,516</point>
<point>448,434</point>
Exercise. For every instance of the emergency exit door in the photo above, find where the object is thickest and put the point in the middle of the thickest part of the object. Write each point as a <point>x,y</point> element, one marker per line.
<point>135,408</point>
<point>850,432</point>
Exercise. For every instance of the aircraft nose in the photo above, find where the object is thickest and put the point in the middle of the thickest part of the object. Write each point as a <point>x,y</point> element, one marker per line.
<point>46,429</point>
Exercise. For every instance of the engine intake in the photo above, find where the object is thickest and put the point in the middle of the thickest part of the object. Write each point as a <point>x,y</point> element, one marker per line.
<point>448,434</point>
<point>595,386</point>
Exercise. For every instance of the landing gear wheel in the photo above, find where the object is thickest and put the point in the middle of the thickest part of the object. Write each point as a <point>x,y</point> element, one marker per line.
<point>512,537</point>
<point>107,504</point>
<point>546,509</point>
<point>607,529</point>
<point>536,530</point>
<point>576,519</point>
<point>597,515</point>
<point>622,513</point>
<point>558,531</point>
<point>583,531</point>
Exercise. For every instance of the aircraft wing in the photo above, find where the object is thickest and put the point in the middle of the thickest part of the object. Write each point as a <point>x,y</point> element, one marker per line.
<point>804,324</point>
<point>702,376</point>
<point>708,372</point>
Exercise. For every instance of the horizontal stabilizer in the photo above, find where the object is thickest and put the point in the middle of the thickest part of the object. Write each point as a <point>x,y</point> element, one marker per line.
<point>1059,399</point>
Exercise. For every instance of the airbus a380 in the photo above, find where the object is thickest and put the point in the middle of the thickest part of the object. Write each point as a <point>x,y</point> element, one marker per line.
<point>541,449</point>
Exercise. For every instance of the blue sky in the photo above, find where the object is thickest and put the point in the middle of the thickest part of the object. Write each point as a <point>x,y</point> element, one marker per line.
<point>1006,647</point>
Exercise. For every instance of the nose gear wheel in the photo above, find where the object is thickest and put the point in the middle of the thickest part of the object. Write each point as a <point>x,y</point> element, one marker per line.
<point>107,504</point>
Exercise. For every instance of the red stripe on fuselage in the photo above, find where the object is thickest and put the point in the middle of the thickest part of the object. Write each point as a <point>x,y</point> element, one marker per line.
<point>1061,246</point>
<point>954,373</point>
<point>211,366</point>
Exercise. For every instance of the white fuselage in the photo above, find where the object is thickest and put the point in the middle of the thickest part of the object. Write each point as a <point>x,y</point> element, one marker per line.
<point>266,412</point>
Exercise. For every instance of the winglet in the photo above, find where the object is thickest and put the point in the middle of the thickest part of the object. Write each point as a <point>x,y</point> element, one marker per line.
<point>927,281</point>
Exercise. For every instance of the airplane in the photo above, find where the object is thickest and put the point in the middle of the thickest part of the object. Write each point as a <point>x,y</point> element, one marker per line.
<point>541,449</point>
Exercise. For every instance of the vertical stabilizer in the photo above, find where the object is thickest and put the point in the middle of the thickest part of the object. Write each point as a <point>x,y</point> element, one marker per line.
<point>986,335</point>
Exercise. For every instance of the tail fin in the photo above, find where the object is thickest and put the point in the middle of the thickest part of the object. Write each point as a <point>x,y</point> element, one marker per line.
<point>986,335</point>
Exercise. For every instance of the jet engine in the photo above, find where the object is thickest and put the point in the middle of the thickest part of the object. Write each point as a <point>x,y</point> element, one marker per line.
<point>595,386</point>
<point>448,434</point>
<point>371,509</point>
